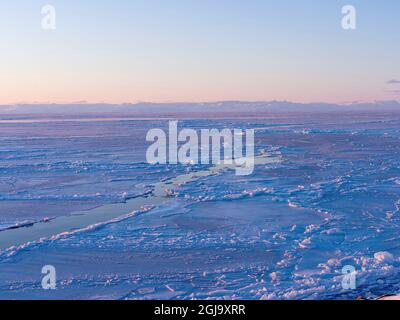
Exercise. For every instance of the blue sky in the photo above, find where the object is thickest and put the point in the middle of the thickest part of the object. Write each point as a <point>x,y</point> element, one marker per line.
<point>203,50</point>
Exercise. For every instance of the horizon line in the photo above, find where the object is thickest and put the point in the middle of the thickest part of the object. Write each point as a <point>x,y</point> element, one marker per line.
<point>47,103</point>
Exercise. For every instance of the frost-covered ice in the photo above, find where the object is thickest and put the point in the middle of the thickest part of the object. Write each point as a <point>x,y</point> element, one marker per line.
<point>284,232</point>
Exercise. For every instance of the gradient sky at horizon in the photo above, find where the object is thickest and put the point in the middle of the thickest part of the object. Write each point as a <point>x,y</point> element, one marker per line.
<point>199,50</point>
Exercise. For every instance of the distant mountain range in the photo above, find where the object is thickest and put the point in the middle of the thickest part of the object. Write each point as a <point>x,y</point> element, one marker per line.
<point>218,107</point>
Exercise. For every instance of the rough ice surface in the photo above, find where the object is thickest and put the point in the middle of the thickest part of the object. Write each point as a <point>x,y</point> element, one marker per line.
<point>284,232</point>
